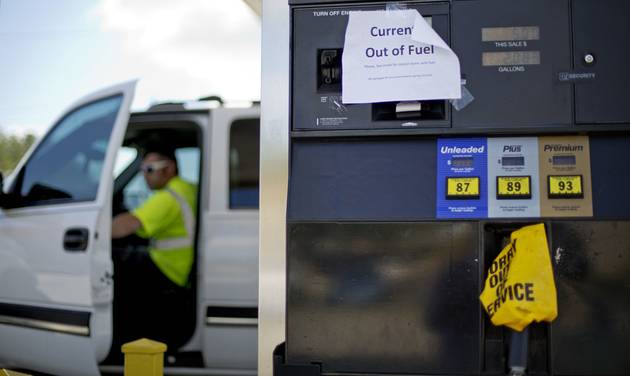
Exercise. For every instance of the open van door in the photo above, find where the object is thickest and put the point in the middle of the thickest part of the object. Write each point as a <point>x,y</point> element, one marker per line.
<point>56,281</point>
<point>229,231</point>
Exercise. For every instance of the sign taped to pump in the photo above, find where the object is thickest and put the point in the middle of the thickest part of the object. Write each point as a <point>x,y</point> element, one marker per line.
<point>395,55</point>
<point>520,287</point>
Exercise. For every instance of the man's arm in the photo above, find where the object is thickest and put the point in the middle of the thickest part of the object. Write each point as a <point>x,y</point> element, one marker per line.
<point>124,224</point>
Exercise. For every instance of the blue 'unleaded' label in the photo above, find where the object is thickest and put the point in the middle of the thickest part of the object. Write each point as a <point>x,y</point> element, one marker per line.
<point>462,184</point>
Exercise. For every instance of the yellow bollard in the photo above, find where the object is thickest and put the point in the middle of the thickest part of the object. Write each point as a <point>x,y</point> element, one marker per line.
<point>6,372</point>
<point>144,358</point>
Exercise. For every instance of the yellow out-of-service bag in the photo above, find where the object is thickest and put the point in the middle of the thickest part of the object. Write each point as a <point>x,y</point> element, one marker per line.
<point>520,287</point>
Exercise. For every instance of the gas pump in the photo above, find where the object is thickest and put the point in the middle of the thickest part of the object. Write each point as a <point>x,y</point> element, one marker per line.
<point>397,209</point>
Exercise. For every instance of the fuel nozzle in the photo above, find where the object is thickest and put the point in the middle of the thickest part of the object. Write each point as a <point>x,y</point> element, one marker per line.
<point>517,361</point>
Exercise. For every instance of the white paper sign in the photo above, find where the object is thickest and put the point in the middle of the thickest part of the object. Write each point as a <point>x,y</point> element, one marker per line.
<point>396,56</point>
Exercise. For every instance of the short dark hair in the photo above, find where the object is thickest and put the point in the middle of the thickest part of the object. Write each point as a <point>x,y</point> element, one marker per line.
<point>161,149</point>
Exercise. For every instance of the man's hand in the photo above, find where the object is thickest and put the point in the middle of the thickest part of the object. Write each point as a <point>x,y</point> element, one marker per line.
<point>124,224</point>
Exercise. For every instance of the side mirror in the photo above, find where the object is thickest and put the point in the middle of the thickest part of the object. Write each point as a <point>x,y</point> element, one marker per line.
<point>7,200</point>
<point>1,190</point>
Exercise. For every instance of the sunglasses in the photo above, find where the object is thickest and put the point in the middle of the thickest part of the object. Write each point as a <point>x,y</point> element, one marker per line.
<point>149,168</point>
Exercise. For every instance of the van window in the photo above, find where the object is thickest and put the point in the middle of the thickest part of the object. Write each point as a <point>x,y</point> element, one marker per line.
<point>136,192</point>
<point>188,163</point>
<point>67,165</point>
<point>126,155</point>
<point>244,163</point>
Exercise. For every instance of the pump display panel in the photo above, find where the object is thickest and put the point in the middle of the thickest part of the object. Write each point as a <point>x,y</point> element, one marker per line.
<point>512,161</point>
<point>461,162</point>
<point>563,160</point>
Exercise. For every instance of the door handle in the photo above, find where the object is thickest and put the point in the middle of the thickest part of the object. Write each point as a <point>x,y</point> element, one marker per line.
<point>76,239</point>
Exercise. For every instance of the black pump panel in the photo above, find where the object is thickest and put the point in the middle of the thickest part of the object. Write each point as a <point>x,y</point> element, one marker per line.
<point>510,54</point>
<point>591,335</point>
<point>601,31</point>
<point>363,294</point>
<point>379,280</point>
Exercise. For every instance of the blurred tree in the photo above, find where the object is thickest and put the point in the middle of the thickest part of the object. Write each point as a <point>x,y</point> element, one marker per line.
<point>12,148</point>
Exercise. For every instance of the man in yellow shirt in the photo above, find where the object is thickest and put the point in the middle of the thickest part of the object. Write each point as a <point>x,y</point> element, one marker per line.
<point>160,277</point>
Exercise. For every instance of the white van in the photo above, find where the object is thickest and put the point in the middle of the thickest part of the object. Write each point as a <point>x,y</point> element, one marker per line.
<point>57,275</point>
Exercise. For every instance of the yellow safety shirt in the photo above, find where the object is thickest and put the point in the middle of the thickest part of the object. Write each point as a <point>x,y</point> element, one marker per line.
<point>168,219</point>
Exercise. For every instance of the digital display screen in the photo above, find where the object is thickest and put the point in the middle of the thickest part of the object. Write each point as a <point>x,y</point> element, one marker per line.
<point>513,161</point>
<point>513,187</point>
<point>563,160</point>
<point>492,59</point>
<point>462,162</point>
<point>565,186</point>
<point>462,188</point>
<point>497,34</point>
